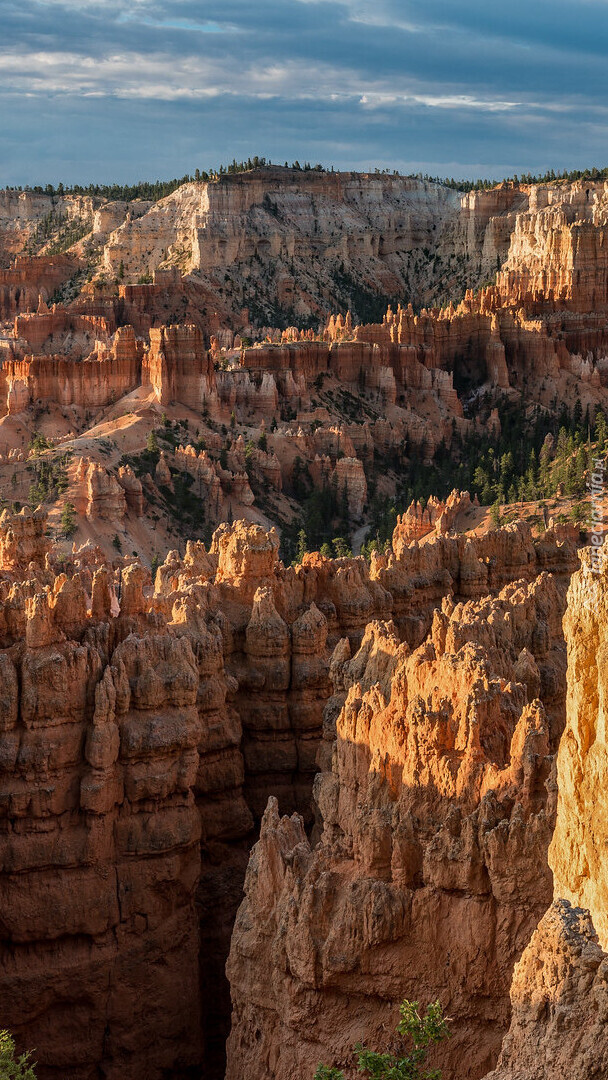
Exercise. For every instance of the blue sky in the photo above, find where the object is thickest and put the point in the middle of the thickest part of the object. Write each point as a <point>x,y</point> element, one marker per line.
<point>109,90</point>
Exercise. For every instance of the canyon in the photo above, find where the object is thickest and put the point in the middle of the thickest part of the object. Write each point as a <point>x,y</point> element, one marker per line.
<point>257,789</point>
<point>146,728</point>
<point>250,420</point>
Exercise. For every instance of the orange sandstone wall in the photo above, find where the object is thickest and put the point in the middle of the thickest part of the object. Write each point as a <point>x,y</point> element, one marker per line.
<point>32,277</point>
<point>177,365</point>
<point>87,384</point>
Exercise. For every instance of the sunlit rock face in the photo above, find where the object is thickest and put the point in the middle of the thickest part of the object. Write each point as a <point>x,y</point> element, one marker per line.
<point>559,1003</point>
<point>578,850</point>
<point>559,993</point>
<point>434,820</point>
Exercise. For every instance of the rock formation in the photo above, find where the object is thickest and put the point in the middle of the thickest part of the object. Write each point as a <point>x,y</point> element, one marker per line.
<point>433,787</point>
<point>290,219</point>
<point>23,541</point>
<point>163,723</point>
<point>437,515</point>
<point>349,406</point>
<point>558,986</point>
<point>105,496</point>
<point>558,994</point>
<point>103,857</point>
<point>30,280</point>
<point>558,998</point>
<point>125,717</point>
<point>577,853</point>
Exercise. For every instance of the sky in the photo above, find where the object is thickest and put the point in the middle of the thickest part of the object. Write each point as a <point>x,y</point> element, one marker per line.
<point>108,90</point>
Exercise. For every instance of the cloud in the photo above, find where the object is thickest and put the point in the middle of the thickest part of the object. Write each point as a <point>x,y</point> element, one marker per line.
<point>456,86</point>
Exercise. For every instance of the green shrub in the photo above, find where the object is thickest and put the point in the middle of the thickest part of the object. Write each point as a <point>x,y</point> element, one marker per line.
<point>12,1067</point>
<point>419,1030</point>
<point>342,548</point>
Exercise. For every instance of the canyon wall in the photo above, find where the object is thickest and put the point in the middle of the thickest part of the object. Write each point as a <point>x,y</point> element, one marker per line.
<point>374,235</point>
<point>309,231</point>
<point>557,248</point>
<point>305,243</point>
<point>559,998</point>
<point>130,787</point>
<point>433,819</point>
<point>30,220</point>
<point>30,279</point>
<point>577,854</point>
<point>177,365</point>
<point>100,837</point>
<point>162,722</point>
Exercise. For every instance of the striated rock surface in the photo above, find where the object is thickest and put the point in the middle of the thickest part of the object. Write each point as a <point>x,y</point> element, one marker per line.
<point>121,828</point>
<point>161,723</point>
<point>23,540</point>
<point>557,248</point>
<point>437,516</point>
<point>265,414</point>
<point>142,735</point>
<point>177,366</point>
<point>106,497</point>
<point>284,218</point>
<point>100,851</point>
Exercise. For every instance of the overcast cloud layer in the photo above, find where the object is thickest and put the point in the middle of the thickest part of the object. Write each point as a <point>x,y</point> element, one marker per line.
<point>107,90</point>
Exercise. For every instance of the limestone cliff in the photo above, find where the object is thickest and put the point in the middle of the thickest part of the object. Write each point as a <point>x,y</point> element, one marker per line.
<point>344,405</point>
<point>557,248</point>
<point>144,732</point>
<point>314,233</point>
<point>100,843</point>
<point>123,820</point>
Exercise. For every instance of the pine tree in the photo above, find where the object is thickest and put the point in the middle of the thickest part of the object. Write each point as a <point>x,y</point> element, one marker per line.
<point>152,443</point>
<point>601,431</point>
<point>342,548</point>
<point>68,524</point>
<point>302,547</point>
